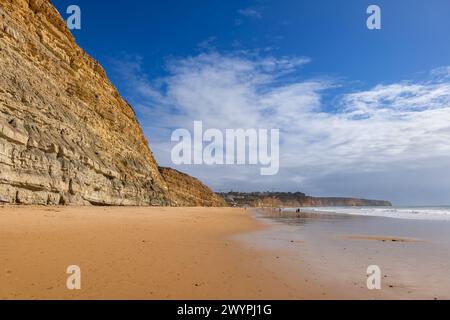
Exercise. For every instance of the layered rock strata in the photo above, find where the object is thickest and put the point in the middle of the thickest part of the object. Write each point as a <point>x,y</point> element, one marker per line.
<point>66,134</point>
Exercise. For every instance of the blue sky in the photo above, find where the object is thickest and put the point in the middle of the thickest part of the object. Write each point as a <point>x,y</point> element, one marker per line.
<point>414,37</point>
<point>362,113</point>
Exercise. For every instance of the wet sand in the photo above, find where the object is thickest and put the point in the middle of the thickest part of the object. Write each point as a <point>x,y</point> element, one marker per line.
<point>381,238</point>
<point>413,255</point>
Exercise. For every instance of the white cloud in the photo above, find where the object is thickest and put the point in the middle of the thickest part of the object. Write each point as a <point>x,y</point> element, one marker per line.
<point>398,98</point>
<point>207,44</point>
<point>251,12</point>
<point>397,129</point>
<point>442,73</point>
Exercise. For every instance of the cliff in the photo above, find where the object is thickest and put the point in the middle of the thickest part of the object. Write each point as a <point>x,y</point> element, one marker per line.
<point>66,135</point>
<point>293,200</point>
<point>185,190</point>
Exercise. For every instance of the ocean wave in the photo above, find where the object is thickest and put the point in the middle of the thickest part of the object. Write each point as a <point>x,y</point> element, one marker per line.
<point>417,213</point>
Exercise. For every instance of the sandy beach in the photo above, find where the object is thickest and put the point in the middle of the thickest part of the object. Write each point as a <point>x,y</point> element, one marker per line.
<point>175,253</point>
<point>136,253</point>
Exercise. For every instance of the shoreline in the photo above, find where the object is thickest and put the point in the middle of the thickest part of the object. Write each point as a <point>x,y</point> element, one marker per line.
<point>412,254</point>
<point>200,253</point>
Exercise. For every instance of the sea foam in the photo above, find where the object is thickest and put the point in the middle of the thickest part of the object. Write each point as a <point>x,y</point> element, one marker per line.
<point>417,213</point>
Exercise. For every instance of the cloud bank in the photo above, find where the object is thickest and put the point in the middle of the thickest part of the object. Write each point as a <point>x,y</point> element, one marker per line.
<point>391,141</point>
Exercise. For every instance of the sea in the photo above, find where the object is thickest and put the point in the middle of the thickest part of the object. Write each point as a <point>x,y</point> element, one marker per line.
<point>439,213</point>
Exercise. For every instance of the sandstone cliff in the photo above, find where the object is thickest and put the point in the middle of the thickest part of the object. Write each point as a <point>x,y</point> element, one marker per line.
<point>66,135</point>
<point>297,199</point>
<point>188,191</point>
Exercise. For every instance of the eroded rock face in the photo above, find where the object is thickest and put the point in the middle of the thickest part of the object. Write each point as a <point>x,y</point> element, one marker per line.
<point>185,190</point>
<point>66,135</point>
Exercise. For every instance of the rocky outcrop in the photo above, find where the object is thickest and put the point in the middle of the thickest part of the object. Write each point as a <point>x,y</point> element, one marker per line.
<point>293,200</point>
<point>66,135</point>
<point>185,190</point>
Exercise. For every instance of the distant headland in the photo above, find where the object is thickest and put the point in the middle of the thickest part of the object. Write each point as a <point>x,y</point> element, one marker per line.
<point>295,199</point>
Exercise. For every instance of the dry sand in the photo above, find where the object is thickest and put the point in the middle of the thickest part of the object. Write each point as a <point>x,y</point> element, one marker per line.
<point>143,253</point>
